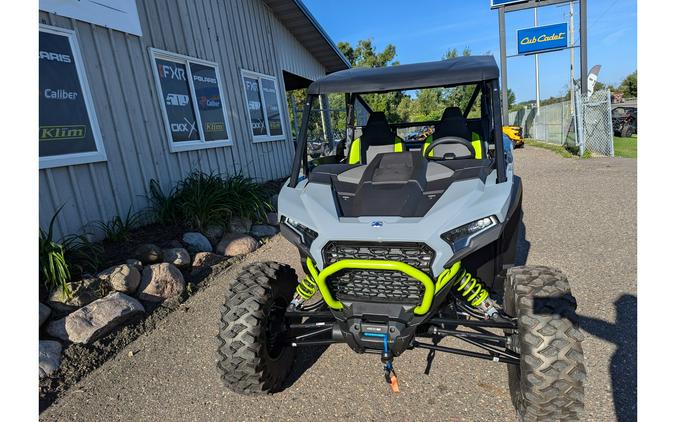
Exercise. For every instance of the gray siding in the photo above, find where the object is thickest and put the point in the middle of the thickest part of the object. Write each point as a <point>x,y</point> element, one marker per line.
<point>237,34</point>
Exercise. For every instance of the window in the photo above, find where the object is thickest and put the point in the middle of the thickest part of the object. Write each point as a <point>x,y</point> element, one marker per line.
<point>264,112</point>
<point>68,129</point>
<point>192,102</point>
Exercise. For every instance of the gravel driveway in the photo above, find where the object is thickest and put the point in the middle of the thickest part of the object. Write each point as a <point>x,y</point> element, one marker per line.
<point>579,215</point>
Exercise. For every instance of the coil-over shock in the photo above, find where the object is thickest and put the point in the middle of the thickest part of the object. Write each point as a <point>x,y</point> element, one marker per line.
<point>304,291</point>
<point>468,289</point>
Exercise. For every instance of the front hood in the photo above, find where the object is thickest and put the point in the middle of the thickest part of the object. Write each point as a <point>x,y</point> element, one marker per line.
<point>314,205</point>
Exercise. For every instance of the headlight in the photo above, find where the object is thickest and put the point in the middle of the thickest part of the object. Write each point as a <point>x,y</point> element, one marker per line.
<point>459,237</point>
<point>308,235</point>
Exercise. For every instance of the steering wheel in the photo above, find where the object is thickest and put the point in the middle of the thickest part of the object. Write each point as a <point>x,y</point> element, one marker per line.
<point>447,140</point>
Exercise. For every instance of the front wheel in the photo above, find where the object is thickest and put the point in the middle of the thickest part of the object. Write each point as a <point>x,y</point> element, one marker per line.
<point>549,383</point>
<point>253,355</point>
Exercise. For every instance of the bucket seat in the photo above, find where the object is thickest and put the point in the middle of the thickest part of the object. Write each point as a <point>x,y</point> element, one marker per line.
<point>377,138</point>
<point>453,123</point>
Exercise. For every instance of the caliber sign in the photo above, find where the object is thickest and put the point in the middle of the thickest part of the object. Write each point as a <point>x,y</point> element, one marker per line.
<point>542,38</point>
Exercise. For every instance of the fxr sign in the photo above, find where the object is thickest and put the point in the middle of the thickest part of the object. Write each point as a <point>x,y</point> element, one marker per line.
<point>542,38</point>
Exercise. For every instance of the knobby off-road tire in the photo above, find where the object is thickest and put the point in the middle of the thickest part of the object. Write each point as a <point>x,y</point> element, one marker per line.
<point>549,383</point>
<point>253,357</point>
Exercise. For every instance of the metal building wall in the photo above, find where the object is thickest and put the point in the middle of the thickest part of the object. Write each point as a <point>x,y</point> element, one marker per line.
<point>237,34</point>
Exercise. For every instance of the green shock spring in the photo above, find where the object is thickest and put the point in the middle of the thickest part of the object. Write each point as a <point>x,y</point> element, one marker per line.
<point>306,288</point>
<point>470,290</point>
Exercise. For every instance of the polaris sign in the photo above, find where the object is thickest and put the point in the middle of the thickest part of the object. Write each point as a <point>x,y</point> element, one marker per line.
<point>497,3</point>
<point>542,38</point>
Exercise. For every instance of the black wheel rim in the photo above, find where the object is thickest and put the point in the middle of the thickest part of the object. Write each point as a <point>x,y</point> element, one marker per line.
<point>276,329</point>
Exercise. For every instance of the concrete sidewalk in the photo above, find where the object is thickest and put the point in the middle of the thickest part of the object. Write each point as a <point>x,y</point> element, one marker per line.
<point>579,215</point>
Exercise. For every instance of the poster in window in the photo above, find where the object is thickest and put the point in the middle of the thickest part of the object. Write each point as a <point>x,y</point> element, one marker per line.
<point>272,107</point>
<point>255,106</point>
<point>65,125</point>
<point>209,102</point>
<point>176,96</point>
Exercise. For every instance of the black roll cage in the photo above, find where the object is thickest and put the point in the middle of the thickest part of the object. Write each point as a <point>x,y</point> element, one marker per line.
<point>490,89</point>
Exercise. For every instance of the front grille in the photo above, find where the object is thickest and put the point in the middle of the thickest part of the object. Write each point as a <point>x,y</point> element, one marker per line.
<point>378,285</point>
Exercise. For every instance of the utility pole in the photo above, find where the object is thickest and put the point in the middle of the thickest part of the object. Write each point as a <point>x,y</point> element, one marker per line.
<point>572,57</point>
<point>536,62</point>
<point>583,35</point>
<point>502,60</point>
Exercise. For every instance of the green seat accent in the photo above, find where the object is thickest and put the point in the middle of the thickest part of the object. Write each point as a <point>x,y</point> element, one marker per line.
<point>355,149</point>
<point>475,141</point>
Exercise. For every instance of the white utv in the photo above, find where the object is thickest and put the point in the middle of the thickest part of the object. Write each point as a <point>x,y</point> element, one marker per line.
<point>404,243</point>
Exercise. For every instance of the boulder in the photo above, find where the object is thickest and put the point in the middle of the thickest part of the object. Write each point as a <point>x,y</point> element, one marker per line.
<point>207,259</point>
<point>123,278</point>
<point>148,253</point>
<point>234,244</point>
<point>135,263</point>
<point>263,230</point>
<point>214,233</point>
<point>177,256</point>
<point>44,313</point>
<point>95,320</point>
<point>197,242</point>
<point>160,282</point>
<point>240,225</point>
<point>83,292</point>
<point>174,244</point>
<point>50,357</point>
<point>272,218</point>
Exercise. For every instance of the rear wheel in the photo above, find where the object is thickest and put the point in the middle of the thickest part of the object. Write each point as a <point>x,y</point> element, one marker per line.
<point>549,383</point>
<point>253,354</point>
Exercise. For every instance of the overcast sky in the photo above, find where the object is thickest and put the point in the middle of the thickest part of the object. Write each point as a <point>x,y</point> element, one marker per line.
<point>423,30</point>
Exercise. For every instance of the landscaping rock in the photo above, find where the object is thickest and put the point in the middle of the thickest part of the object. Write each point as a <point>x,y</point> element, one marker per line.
<point>240,225</point>
<point>214,233</point>
<point>263,230</point>
<point>197,242</point>
<point>149,253</point>
<point>207,259</point>
<point>160,282</point>
<point>177,256</point>
<point>50,357</point>
<point>234,244</point>
<point>44,313</point>
<point>84,292</point>
<point>272,218</point>
<point>136,264</point>
<point>96,319</point>
<point>123,278</point>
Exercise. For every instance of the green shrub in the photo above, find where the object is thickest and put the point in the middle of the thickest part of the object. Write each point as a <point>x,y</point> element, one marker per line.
<point>163,207</point>
<point>202,199</point>
<point>59,262</point>
<point>54,271</point>
<point>119,229</point>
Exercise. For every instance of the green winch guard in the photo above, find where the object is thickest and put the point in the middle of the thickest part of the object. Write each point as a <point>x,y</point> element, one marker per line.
<point>320,279</point>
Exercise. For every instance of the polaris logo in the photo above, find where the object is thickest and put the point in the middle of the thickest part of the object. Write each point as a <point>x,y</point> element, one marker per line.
<point>205,79</point>
<point>55,57</point>
<point>376,224</point>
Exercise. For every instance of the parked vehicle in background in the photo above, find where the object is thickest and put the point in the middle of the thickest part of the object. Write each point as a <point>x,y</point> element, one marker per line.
<point>515,134</point>
<point>624,121</point>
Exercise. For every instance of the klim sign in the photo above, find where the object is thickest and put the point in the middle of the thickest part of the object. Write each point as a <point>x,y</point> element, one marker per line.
<point>542,38</point>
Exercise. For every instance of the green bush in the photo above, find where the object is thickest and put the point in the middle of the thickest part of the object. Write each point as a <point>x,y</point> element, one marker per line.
<point>202,199</point>
<point>60,261</point>
<point>119,229</point>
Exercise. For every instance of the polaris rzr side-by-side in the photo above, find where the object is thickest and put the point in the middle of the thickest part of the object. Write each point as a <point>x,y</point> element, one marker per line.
<point>405,241</point>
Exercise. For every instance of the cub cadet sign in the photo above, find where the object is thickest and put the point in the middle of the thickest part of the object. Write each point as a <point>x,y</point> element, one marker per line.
<point>542,38</point>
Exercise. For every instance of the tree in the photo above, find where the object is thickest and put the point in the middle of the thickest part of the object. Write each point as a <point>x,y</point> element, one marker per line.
<point>629,86</point>
<point>364,55</point>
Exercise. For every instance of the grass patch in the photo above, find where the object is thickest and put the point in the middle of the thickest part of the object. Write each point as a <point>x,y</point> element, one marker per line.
<point>558,149</point>
<point>625,147</point>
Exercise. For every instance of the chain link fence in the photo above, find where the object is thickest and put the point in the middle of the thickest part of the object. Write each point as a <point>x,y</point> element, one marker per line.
<point>557,123</point>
